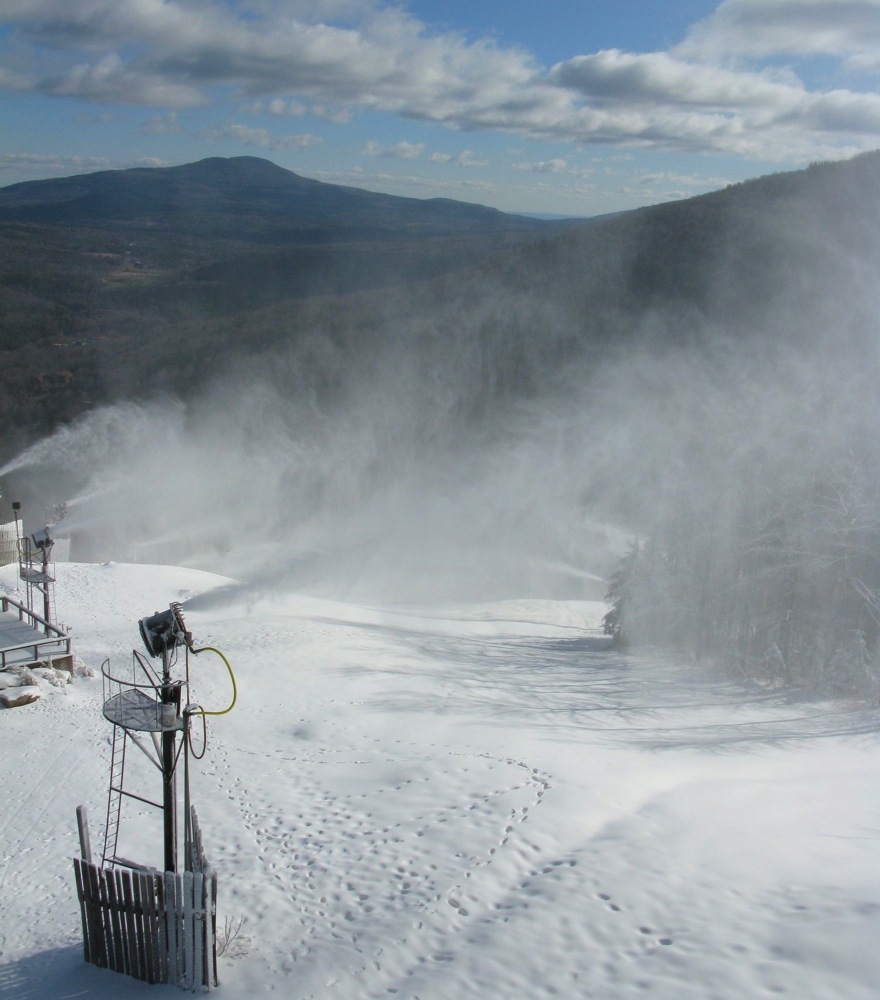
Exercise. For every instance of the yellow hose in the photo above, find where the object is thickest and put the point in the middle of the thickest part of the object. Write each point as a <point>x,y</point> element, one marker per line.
<point>212,649</point>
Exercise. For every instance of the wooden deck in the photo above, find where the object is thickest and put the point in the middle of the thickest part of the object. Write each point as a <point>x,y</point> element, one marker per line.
<point>24,639</point>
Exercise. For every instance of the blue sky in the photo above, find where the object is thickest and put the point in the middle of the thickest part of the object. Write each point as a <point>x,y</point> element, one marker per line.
<point>575,108</point>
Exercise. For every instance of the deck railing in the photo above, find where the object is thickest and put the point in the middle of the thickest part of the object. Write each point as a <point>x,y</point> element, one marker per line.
<point>54,637</point>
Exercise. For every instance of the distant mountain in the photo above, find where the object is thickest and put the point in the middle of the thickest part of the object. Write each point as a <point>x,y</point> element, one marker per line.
<point>243,198</point>
<point>100,272</point>
<point>122,284</point>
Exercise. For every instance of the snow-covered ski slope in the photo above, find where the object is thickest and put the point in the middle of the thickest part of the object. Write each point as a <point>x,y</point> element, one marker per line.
<point>479,801</point>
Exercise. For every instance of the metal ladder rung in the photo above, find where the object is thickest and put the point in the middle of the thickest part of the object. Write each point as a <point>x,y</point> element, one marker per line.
<point>114,795</point>
<point>139,798</point>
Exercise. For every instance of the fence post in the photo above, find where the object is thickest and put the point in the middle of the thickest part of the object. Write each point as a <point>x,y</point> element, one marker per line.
<point>85,845</point>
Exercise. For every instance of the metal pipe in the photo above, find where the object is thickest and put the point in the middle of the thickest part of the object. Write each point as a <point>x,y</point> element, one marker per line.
<point>170,696</point>
<point>16,507</point>
<point>47,604</point>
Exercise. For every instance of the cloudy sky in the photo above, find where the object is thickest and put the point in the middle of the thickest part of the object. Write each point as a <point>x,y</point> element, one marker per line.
<point>575,107</point>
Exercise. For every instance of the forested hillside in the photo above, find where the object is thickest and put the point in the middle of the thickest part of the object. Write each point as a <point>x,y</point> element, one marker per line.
<point>105,277</point>
<point>175,271</point>
<point>495,412</point>
<point>759,549</point>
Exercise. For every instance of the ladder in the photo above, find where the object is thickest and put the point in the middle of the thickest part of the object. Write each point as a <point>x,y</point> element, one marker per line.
<point>117,791</point>
<point>114,795</point>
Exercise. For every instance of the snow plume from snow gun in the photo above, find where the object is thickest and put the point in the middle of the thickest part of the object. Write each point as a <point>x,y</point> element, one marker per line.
<point>387,492</point>
<point>505,444</point>
<point>392,485</point>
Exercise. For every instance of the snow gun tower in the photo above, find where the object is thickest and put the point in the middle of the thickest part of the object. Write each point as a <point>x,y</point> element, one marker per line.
<point>36,570</point>
<point>155,925</point>
<point>30,637</point>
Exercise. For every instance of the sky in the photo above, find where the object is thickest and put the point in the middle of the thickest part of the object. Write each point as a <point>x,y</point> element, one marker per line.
<point>563,107</point>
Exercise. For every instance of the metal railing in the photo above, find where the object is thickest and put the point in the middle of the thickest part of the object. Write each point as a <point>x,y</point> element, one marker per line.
<point>54,636</point>
<point>135,702</point>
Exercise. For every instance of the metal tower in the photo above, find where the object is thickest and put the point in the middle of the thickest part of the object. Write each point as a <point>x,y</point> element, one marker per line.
<point>155,925</point>
<point>36,571</point>
<point>149,710</point>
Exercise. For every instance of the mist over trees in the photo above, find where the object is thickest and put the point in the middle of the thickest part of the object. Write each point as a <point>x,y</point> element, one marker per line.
<point>680,399</point>
<point>761,552</point>
<point>759,548</point>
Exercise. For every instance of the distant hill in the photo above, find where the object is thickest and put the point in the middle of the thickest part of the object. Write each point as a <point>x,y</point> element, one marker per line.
<point>96,268</point>
<point>121,284</point>
<point>243,198</point>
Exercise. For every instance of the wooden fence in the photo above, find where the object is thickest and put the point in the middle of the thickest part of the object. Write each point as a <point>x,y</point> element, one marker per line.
<point>160,927</point>
<point>8,543</point>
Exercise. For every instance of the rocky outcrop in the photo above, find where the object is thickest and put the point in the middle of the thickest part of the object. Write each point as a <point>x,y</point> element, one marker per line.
<point>23,685</point>
<point>15,697</point>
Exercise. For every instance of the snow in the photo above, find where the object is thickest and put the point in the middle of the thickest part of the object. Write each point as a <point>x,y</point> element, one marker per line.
<point>458,802</point>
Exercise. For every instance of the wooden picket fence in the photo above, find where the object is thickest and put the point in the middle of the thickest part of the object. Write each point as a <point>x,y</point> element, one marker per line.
<point>160,927</point>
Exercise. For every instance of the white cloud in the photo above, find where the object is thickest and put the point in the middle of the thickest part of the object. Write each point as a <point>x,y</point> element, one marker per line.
<point>39,164</point>
<point>399,151</point>
<point>543,167</point>
<point>246,136</point>
<point>382,58</point>
<point>289,109</point>
<point>102,118</point>
<point>11,80</point>
<point>465,158</point>
<point>413,182</point>
<point>667,101</point>
<point>280,107</point>
<point>111,80</point>
<point>335,115</point>
<point>556,166</point>
<point>787,27</point>
<point>327,57</point>
<point>693,182</point>
<point>161,124</point>
<point>658,78</point>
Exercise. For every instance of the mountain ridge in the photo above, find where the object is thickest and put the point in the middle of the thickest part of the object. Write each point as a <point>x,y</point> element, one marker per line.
<point>246,196</point>
<point>87,307</point>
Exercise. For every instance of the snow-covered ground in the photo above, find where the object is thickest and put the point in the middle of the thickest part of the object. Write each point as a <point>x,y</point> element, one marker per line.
<point>479,801</point>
